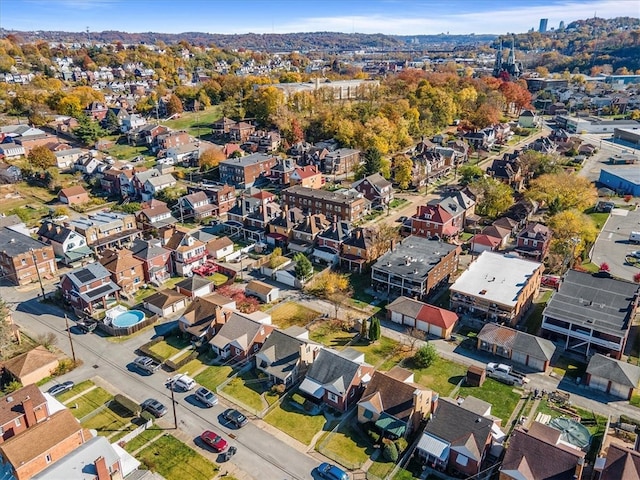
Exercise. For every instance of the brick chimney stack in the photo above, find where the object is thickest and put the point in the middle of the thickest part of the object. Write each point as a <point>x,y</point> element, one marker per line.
<point>29,414</point>
<point>101,469</point>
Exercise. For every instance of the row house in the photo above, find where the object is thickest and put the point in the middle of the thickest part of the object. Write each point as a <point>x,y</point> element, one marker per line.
<point>188,252</point>
<point>256,222</point>
<point>89,288</point>
<point>125,269</point>
<point>149,183</point>
<point>508,172</point>
<point>106,229</point>
<point>304,234</point>
<point>281,172</point>
<point>307,176</point>
<point>281,227</point>
<point>534,241</point>
<point>342,161</point>
<point>155,215</point>
<point>222,126</point>
<point>23,409</point>
<point>377,189</point>
<point>146,134</point>
<point>24,259</point>
<point>196,206</point>
<point>69,247</point>
<point>262,141</point>
<point>243,172</point>
<point>110,181</point>
<point>241,131</point>
<point>329,242</point>
<point>156,260</point>
<point>248,203</point>
<point>358,250</point>
<point>345,204</point>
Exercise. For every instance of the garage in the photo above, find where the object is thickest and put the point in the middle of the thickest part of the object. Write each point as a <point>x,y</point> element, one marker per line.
<point>435,331</point>
<point>598,383</point>
<point>618,390</point>
<point>165,302</point>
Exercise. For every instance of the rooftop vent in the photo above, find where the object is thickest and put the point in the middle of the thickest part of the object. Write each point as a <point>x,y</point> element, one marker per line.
<point>482,292</point>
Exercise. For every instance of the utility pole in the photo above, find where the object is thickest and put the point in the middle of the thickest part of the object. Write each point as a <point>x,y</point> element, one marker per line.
<point>173,403</point>
<point>73,353</point>
<point>35,264</point>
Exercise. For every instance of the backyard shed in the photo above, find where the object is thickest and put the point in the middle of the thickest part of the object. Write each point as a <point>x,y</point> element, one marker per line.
<point>475,376</point>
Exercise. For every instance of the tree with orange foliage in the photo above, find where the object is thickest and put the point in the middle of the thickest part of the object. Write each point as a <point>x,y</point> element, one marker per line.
<point>210,158</point>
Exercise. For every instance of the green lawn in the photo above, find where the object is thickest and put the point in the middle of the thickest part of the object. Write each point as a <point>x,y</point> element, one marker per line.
<point>170,346</point>
<point>441,377</point>
<point>213,376</point>
<point>534,320</point>
<point>377,352</point>
<point>501,396</point>
<point>174,460</point>
<point>218,279</point>
<point>289,314</point>
<point>123,151</point>
<point>347,446</point>
<point>89,402</point>
<point>599,218</point>
<point>109,420</point>
<point>77,389</point>
<point>190,121</point>
<point>194,366</point>
<point>171,283</point>
<point>329,335</point>
<point>398,202</point>
<point>248,390</point>
<point>146,436</point>
<point>294,422</point>
<point>381,467</point>
<point>359,282</point>
<point>143,293</point>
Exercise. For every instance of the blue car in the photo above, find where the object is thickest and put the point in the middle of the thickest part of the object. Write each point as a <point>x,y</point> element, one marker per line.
<point>326,470</point>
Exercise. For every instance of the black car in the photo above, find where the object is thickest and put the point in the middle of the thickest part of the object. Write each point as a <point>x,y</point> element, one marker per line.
<point>61,388</point>
<point>154,407</point>
<point>235,417</point>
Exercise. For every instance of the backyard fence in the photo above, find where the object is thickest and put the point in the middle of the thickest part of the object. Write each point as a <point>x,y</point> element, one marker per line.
<point>323,446</point>
<point>124,331</point>
<point>232,399</point>
<point>134,433</point>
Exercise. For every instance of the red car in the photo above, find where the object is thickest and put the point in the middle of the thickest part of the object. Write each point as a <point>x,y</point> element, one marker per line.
<point>214,440</point>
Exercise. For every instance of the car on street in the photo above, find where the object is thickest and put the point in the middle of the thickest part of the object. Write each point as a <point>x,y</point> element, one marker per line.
<point>634,254</point>
<point>234,416</point>
<point>326,470</point>
<point>182,383</point>
<point>154,407</point>
<point>213,440</point>
<point>206,397</point>
<point>60,388</point>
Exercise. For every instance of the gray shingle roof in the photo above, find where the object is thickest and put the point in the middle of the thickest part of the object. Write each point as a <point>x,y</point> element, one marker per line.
<point>13,243</point>
<point>414,254</point>
<point>333,370</point>
<point>618,372</point>
<point>282,353</point>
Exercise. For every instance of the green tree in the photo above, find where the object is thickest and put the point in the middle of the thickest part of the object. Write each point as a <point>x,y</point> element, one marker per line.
<point>88,130</point>
<point>41,157</point>
<point>403,170</point>
<point>276,258</point>
<point>390,451</point>
<point>303,268</point>
<point>469,173</point>
<point>374,329</point>
<point>573,232</point>
<point>131,207</point>
<point>111,122</point>
<point>334,287</point>
<point>425,356</point>
<point>372,162</point>
<point>495,197</point>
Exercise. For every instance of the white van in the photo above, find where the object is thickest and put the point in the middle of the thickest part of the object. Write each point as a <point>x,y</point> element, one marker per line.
<point>634,237</point>
<point>182,383</point>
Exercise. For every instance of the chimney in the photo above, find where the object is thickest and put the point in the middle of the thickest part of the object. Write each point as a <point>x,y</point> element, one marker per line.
<point>49,226</point>
<point>579,468</point>
<point>358,233</point>
<point>101,469</point>
<point>58,229</point>
<point>29,414</point>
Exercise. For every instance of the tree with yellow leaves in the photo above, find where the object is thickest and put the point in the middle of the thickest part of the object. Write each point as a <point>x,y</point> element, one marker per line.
<point>210,158</point>
<point>563,191</point>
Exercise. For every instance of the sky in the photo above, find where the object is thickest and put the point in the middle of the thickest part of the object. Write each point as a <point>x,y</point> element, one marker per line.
<point>392,17</point>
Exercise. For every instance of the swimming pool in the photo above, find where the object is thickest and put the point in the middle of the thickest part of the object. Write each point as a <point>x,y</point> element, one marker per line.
<point>128,319</point>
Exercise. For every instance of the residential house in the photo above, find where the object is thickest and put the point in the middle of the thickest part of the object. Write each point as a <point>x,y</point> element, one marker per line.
<point>170,139</point>
<point>222,126</point>
<point>620,462</point>
<point>497,287</point>
<point>89,287</point>
<point>286,355</point>
<point>481,242</point>
<point>345,204</point>
<point>432,320</point>
<point>33,366</point>
<point>69,247</point>
<point>110,181</point>
<point>534,241</point>
<point>359,250</point>
<point>65,158</point>
<point>281,227</point>
<point>24,259</point>
<point>281,172</point>
<point>414,268</point>
<point>507,223</point>
<point>240,338</point>
<point>188,252</point>
<point>308,176</point>
<point>520,347</point>
<point>155,184</point>
<point>9,173</point>
<point>394,403</point>
<point>146,135</point>
<point>377,189</point>
<point>434,221</point>
<point>591,313</point>
<point>615,377</point>
<point>131,122</point>
<point>244,172</point>
<point>455,439</point>
<point>257,221</point>
<point>75,195</point>
<point>165,302</point>
<point>97,111</point>
<point>155,215</point>
<point>223,197</point>
<point>527,119</point>
<point>106,229</point>
<point>20,410</point>
<point>245,205</point>
<point>539,453</point>
<point>157,264</point>
<point>205,315</point>
<point>126,270</point>
<point>342,161</point>
<point>508,172</point>
<point>240,131</point>
<point>265,292</point>
<point>303,235</point>
<point>500,233</point>
<point>196,206</point>
<point>220,248</point>
<point>11,151</point>
<point>87,164</point>
<point>337,378</point>
<point>195,286</point>
<point>41,445</point>
<point>522,211</point>
<point>329,243</point>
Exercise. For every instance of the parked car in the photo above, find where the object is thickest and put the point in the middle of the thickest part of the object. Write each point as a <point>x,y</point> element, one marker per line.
<point>154,407</point>
<point>234,416</point>
<point>213,440</point>
<point>61,388</point>
<point>326,470</point>
<point>634,254</point>
<point>182,383</point>
<point>206,397</point>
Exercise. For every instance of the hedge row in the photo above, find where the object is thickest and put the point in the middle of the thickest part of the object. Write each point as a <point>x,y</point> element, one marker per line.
<point>173,366</point>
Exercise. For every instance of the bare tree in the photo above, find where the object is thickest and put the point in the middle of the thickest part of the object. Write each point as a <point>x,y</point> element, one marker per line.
<point>413,336</point>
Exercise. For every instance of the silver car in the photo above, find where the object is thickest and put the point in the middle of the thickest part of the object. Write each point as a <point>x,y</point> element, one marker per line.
<point>206,397</point>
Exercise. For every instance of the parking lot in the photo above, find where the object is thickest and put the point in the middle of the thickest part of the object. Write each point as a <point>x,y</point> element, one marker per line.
<point>612,245</point>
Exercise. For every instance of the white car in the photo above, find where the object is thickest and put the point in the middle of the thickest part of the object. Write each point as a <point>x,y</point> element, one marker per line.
<point>182,383</point>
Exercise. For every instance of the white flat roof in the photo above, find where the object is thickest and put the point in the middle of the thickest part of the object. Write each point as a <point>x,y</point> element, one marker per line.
<point>500,277</point>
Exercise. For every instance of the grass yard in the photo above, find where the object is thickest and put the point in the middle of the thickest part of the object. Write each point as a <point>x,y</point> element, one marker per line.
<point>441,377</point>
<point>171,283</point>
<point>196,123</point>
<point>248,389</point>
<point>329,335</point>
<point>294,422</point>
<point>143,293</point>
<point>89,402</point>
<point>146,436</point>
<point>398,202</point>
<point>359,282</point>
<point>123,151</point>
<point>109,420</point>
<point>170,346</point>
<point>599,218</point>
<point>79,388</point>
<point>376,353</point>
<point>569,367</point>
<point>534,320</point>
<point>174,460</point>
<point>218,279</point>
<point>381,467</point>
<point>195,366</point>
<point>289,314</point>
<point>347,446</point>
<point>213,376</point>
<point>503,397</point>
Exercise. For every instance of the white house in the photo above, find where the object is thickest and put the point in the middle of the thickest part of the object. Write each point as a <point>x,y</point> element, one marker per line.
<point>220,248</point>
<point>131,122</point>
<point>87,164</point>
<point>66,158</point>
<point>69,247</point>
<point>12,151</point>
<point>156,184</point>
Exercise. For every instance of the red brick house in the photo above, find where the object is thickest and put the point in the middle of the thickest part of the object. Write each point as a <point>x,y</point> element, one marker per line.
<point>244,171</point>
<point>21,254</point>
<point>432,220</point>
<point>126,270</point>
<point>21,410</point>
<point>75,195</point>
<point>96,110</point>
<point>534,241</point>
<point>240,131</point>
<point>156,260</point>
<point>88,288</point>
<point>377,189</point>
<point>239,338</point>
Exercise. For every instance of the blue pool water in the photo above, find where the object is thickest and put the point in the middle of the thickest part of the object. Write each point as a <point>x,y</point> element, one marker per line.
<point>127,319</point>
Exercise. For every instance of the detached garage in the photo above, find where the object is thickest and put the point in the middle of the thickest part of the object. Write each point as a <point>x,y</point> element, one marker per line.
<point>165,302</point>
<point>612,376</point>
<point>435,321</point>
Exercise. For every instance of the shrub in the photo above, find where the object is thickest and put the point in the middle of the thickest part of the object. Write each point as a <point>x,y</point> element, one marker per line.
<point>627,198</point>
<point>425,356</point>
<point>278,389</point>
<point>127,404</point>
<point>390,451</point>
<point>64,366</point>
<point>12,386</point>
<point>146,416</point>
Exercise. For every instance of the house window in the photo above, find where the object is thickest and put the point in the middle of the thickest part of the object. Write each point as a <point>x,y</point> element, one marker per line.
<point>24,261</point>
<point>44,254</point>
<point>368,414</point>
<point>18,423</point>
<point>332,397</point>
<point>136,280</point>
<point>47,458</point>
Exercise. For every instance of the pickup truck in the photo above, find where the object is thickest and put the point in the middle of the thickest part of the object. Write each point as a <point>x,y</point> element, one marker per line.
<point>146,364</point>
<point>506,374</point>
